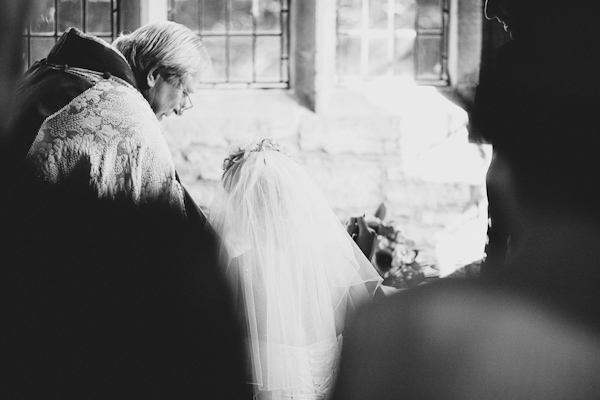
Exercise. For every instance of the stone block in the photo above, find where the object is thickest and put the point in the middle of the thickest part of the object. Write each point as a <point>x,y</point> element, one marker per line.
<point>351,135</point>
<point>427,194</point>
<point>199,162</point>
<point>348,183</point>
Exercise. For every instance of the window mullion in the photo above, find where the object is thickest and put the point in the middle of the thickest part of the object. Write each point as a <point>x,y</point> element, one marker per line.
<point>391,37</point>
<point>445,28</point>
<point>84,16</point>
<point>227,49</point>
<point>364,41</point>
<point>55,19</point>
<point>255,15</point>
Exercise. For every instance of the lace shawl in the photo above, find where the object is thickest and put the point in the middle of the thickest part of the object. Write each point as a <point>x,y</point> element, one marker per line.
<point>110,134</point>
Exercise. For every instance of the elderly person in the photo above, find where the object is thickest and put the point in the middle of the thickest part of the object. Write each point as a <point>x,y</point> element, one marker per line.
<point>166,59</point>
<point>110,281</point>
<point>109,93</point>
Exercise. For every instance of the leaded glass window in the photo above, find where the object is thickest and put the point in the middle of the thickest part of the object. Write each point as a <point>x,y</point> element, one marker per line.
<point>248,40</point>
<point>97,17</point>
<point>378,38</point>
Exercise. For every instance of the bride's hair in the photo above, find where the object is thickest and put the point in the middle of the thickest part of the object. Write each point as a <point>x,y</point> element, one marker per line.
<point>240,155</point>
<point>243,152</point>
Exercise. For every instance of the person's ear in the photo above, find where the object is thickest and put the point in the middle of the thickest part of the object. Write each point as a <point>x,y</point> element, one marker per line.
<point>152,77</point>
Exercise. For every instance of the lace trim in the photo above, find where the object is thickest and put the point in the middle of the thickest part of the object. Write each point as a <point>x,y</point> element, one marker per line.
<point>317,366</point>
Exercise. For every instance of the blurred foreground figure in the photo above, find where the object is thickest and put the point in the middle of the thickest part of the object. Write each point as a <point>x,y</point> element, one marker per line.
<point>462,341</point>
<point>536,106</point>
<point>544,121</point>
<point>531,328</point>
<point>110,285</point>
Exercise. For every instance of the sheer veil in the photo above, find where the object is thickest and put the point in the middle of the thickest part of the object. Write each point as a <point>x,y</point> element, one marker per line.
<point>295,270</point>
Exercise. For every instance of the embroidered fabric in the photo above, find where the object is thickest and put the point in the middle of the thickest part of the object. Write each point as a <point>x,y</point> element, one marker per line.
<point>109,134</point>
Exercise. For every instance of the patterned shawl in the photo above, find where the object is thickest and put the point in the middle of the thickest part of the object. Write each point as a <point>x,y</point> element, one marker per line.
<point>110,134</point>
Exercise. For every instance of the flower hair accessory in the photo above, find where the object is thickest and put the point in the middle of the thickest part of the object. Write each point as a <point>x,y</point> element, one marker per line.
<point>244,151</point>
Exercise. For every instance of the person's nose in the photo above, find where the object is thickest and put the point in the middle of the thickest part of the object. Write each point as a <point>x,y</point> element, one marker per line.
<point>492,10</point>
<point>181,107</point>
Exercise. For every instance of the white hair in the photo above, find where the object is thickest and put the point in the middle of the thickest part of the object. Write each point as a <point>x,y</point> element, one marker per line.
<point>171,49</point>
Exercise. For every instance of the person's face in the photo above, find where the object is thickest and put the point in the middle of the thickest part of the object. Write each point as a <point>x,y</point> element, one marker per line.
<point>513,14</point>
<point>167,96</point>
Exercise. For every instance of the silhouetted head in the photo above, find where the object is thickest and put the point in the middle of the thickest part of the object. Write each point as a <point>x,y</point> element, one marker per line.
<point>524,19</point>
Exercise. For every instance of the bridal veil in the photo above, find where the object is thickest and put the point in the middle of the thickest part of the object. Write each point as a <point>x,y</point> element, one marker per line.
<point>295,271</point>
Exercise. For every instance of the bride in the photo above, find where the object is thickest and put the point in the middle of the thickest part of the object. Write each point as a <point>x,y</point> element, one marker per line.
<point>295,271</point>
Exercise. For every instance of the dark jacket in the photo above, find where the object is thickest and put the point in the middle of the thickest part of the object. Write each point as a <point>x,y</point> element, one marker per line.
<point>102,299</point>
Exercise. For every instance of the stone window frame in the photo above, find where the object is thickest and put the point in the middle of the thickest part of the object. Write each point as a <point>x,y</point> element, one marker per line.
<point>312,40</point>
<point>313,50</point>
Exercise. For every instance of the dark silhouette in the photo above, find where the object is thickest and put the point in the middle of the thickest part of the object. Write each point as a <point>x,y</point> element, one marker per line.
<point>100,296</point>
<point>529,329</point>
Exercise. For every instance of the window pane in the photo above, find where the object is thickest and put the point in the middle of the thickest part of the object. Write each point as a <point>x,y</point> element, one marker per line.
<point>70,14</point>
<point>378,14</point>
<point>267,59</point>
<point>107,39</point>
<point>429,58</point>
<point>98,16</point>
<point>186,13</point>
<point>115,20</point>
<point>44,21</point>
<point>405,14</point>
<point>349,15</point>
<point>269,15</point>
<point>40,47</point>
<point>430,14</point>
<point>213,15</point>
<point>378,59</point>
<point>348,56</point>
<point>240,59</point>
<point>403,52</point>
<point>241,16</point>
<point>217,48</point>
<point>390,43</point>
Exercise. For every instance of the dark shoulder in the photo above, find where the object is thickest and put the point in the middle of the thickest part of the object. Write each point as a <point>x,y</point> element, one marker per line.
<point>457,340</point>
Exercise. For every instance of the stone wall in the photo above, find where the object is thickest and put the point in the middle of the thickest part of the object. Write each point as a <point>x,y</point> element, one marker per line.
<point>396,143</point>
